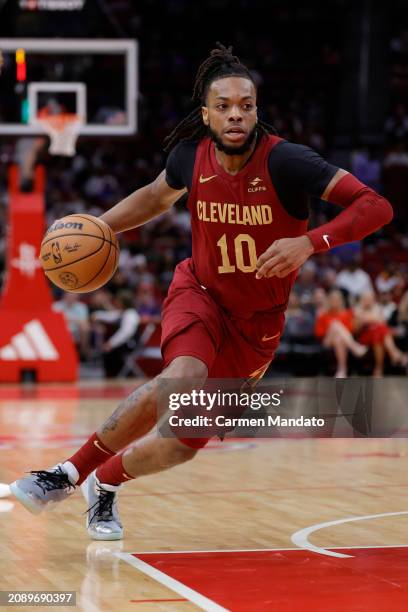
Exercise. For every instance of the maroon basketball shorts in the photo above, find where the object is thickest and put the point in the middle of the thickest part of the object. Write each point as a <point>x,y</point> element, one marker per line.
<point>231,347</point>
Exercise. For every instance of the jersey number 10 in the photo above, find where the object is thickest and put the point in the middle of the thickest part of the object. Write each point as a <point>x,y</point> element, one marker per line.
<point>239,242</point>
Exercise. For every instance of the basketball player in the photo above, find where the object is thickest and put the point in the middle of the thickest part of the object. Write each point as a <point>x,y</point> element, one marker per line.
<point>224,313</point>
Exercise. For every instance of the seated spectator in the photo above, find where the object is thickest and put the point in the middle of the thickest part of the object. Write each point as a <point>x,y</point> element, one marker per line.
<point>148,303</point>
<point>373,331</point>
<point>333,327</point>
<point>328,278</point>
<point>353,280</point>
<point>403,309</point>
<point>319,300</point>
<point>121,326</point>
<point>306,283</point>
<point>119,282</point>
<point>100,300</point>
<point>389,278</point>
<point>77,317</point>
<point>403,319</point>
<point>388,308</point>
<point>390,312</point>
<point>299,321</point>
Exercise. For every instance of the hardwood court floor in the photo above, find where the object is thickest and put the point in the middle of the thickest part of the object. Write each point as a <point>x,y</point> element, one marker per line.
<point>246,504</point>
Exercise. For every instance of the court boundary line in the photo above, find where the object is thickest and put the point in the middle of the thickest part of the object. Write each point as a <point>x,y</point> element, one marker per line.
<point>203,602</point>
<point>244,550</point>
<point>301,537</point>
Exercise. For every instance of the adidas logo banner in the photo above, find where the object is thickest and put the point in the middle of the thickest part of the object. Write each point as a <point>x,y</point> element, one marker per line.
<point>31,344</point>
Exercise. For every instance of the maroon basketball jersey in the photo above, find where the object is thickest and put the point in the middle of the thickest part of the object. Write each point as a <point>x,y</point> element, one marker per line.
<point>234,219</point>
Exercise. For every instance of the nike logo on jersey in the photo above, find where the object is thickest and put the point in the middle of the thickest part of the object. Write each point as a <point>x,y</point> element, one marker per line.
<point>326,239</point>
<point>205,179</point>
<point>266,338</point>
<point>99,447</point>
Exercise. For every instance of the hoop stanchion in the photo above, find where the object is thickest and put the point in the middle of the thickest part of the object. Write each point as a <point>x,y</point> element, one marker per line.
<point>33,337</point>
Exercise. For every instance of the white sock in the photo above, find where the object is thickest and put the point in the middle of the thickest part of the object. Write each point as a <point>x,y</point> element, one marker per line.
<point>71,471</point>
<point>107,487</point>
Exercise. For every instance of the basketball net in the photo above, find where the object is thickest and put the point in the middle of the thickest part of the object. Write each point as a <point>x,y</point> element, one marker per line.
<point>63,130</point>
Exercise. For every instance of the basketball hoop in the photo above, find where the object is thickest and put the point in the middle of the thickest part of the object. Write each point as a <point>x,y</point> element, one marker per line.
<point>63,130</point>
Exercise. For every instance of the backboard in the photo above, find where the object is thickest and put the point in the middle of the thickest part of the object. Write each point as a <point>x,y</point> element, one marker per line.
<point>94,78</point>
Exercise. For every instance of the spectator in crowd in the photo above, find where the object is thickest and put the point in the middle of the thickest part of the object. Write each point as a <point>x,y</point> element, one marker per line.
<point>100,300</point>
<point>77,317</point>
<point>367,167</point>
<point>334,325</point>
<point>395,172</point>
<point>353,280</point>
<point>306,284</point>
<point>403,320</point>
<point>388,308</point>
<point>148,303</point>
<point>396,125</point>
<point>118,283</point>
<point>299,322</point>
<point>373,331</point>
<point>390,312</point>
<point>328,276</point>
<point>389,278</point>
<point>403,309</point>
<point>121,324</point>
<point>319,300</point>
<point>134,267</point>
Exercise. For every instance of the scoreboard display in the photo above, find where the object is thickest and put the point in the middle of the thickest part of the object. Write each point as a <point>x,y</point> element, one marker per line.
<point>51,5</point>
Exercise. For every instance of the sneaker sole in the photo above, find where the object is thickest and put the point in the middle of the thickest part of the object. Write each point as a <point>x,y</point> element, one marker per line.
<point>106,537</point>
<point>96,536</point>
<point>24,499</point>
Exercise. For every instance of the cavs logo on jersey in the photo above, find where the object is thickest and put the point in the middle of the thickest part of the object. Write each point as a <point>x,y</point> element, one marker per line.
<point>256,185</point>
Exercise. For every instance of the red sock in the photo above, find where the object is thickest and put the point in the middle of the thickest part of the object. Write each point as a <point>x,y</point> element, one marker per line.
<point>112,471</point>
<point>89,456</point>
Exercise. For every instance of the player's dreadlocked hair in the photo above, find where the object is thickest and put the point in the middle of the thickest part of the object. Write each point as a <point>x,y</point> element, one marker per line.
<point>221,63</point>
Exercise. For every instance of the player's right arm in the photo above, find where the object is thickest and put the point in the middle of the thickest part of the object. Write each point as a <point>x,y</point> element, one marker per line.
<point>364,212</point>
<point>143,205</point>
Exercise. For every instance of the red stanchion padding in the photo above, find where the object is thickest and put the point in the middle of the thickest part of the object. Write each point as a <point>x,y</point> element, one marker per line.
<point>32,336</point>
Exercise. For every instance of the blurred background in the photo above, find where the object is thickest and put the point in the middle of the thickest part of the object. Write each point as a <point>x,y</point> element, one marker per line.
<point>331,74</point>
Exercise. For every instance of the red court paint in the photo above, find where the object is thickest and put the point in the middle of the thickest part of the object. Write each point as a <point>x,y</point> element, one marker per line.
<point>374,579</point>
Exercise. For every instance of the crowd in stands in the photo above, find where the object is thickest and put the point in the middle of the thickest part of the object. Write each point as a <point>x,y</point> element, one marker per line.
<point>348,321</point>
<point>350,304</point>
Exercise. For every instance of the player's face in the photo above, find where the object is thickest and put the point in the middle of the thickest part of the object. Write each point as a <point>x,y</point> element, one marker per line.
<point>230,114</point>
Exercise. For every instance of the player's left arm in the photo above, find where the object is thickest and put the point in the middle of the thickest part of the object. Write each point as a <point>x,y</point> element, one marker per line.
<point>365,211</point>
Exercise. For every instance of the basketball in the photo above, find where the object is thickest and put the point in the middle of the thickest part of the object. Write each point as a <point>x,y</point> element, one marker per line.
<point>79,253</point>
